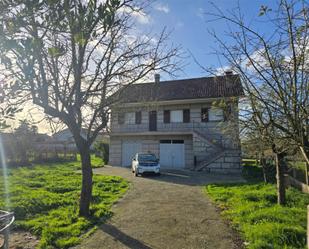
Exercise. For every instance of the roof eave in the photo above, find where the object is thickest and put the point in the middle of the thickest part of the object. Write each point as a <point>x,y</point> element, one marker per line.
<point>172,102</point>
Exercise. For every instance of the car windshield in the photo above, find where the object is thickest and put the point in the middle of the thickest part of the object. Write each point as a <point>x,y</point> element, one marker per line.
<point>147,157</point>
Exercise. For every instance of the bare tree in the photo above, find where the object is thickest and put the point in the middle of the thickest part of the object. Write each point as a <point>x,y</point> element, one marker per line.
<point>8,104</point>
<point>274,71</point>
<point>70,55</point>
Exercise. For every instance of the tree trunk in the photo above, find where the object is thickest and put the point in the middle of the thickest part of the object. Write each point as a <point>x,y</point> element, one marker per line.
<point>86,192</point>
<point>280,168</point>
<point>264,168</point>
<point>305,152</point>
<point>306,172</point>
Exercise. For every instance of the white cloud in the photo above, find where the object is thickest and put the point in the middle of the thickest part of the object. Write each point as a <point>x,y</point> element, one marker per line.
<point>222,70</point>
<point>162,8</point>
<point>259,59</point>
<point>179,24</point>
<point>141,17</point>
<point>138,14</point>
<point>200,13</point>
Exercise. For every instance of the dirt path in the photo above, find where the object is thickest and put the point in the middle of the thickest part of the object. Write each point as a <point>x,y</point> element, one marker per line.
<point>21,240</point>
<point>169,211</point>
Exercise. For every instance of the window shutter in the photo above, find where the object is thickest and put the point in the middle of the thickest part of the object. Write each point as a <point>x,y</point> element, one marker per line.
<point>138,117</point>
<point>186,115</point>
<point>120,118</point>
<point>167,116</point>
<point>204,114</point>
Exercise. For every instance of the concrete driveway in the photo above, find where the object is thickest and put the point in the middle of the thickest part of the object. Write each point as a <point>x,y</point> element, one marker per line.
<point>167,211</point>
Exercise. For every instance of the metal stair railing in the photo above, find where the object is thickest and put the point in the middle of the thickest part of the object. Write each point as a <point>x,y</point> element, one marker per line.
<point>219,148</point>
<point>208,160</point>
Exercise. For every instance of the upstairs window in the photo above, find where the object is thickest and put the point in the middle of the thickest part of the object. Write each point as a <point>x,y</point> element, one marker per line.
<point>138,117</point>
<point>215,114</point>
<point>186,115</point>
<point>129,118</point>
<point>166,116</point>
<point>204,115</point>
<point>177,116</point>
<point>120,118</point>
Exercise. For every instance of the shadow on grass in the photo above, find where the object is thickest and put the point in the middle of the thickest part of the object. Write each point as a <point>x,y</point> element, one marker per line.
<point>123,238</point>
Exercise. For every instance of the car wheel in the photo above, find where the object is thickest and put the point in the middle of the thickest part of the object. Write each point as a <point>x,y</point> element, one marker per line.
<point>158,174</point>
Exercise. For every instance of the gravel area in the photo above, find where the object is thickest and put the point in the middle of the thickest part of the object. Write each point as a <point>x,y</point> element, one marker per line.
<point>167,211</point>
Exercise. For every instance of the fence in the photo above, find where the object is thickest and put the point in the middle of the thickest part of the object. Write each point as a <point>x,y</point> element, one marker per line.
<point>291,181</point>
<point>39,152</point>
<point>308,226</point>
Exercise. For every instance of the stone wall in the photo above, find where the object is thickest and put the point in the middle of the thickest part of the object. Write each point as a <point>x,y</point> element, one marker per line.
<point>230,162</point>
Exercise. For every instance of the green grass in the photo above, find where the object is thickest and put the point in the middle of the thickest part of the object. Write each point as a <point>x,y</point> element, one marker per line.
<point>45,200</point>
<point>298,165</point>
<point>263,224</point>
<point>96,162</point>
<point>248,161</point>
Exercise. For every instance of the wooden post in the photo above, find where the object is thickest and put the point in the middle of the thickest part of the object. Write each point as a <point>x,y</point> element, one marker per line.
<point>308,226</point>
<point>286,181</point>
<point>65,151</point>
<point>294,172</point>
<point>280,179</point>
<point>306,172</point>
<point>6,239</point>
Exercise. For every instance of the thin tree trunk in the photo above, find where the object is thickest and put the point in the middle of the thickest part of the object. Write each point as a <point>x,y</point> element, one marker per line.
<point>264,168</point>
<point>306,172</point>
<point>86,192</point>
<point>280,178</point>
<point>305,153</point>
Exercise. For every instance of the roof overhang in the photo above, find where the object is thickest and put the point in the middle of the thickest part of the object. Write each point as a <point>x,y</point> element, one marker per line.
<point>173,102</point>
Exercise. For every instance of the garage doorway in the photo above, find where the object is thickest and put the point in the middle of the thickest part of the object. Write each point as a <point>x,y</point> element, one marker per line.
<point>129,149</point>
<point>172,154</point>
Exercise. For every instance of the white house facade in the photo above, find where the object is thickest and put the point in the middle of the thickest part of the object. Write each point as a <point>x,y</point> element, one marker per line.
<point>188,124</point>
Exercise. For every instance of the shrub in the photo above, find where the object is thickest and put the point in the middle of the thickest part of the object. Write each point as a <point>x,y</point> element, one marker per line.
<point>102,150</point>
<point>252,170</point>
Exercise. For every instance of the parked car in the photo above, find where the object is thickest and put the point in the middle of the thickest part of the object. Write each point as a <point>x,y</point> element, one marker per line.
<point>145,162</point>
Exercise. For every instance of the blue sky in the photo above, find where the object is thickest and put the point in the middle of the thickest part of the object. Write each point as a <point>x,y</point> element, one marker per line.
<point>187,20</point>
<point>190,30</point>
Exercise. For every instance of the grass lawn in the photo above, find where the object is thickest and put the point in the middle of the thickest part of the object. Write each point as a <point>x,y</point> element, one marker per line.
<point>263,224</point>
<point>96,162</point>
<point>45,201</point>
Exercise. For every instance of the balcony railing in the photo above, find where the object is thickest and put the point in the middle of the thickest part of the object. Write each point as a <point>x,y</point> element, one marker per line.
<point>209,129</point>
<point>162,127</point>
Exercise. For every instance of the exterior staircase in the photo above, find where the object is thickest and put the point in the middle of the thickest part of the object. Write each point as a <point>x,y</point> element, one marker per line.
<point>208,160</point>
<point>207,149</point>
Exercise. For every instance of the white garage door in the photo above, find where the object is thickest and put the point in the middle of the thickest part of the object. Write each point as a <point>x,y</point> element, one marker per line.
<point>172,154</point>
<point>129,149</point>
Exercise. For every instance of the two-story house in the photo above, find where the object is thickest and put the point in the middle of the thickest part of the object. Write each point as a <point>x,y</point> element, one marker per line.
<point>188,124</point>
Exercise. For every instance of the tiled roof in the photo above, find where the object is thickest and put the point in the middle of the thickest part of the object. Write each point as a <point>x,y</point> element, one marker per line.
<point>207,87</point>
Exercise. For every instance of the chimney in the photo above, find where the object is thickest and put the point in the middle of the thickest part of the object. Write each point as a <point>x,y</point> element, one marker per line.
<point>228,72</point>
<point>157,78</point>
